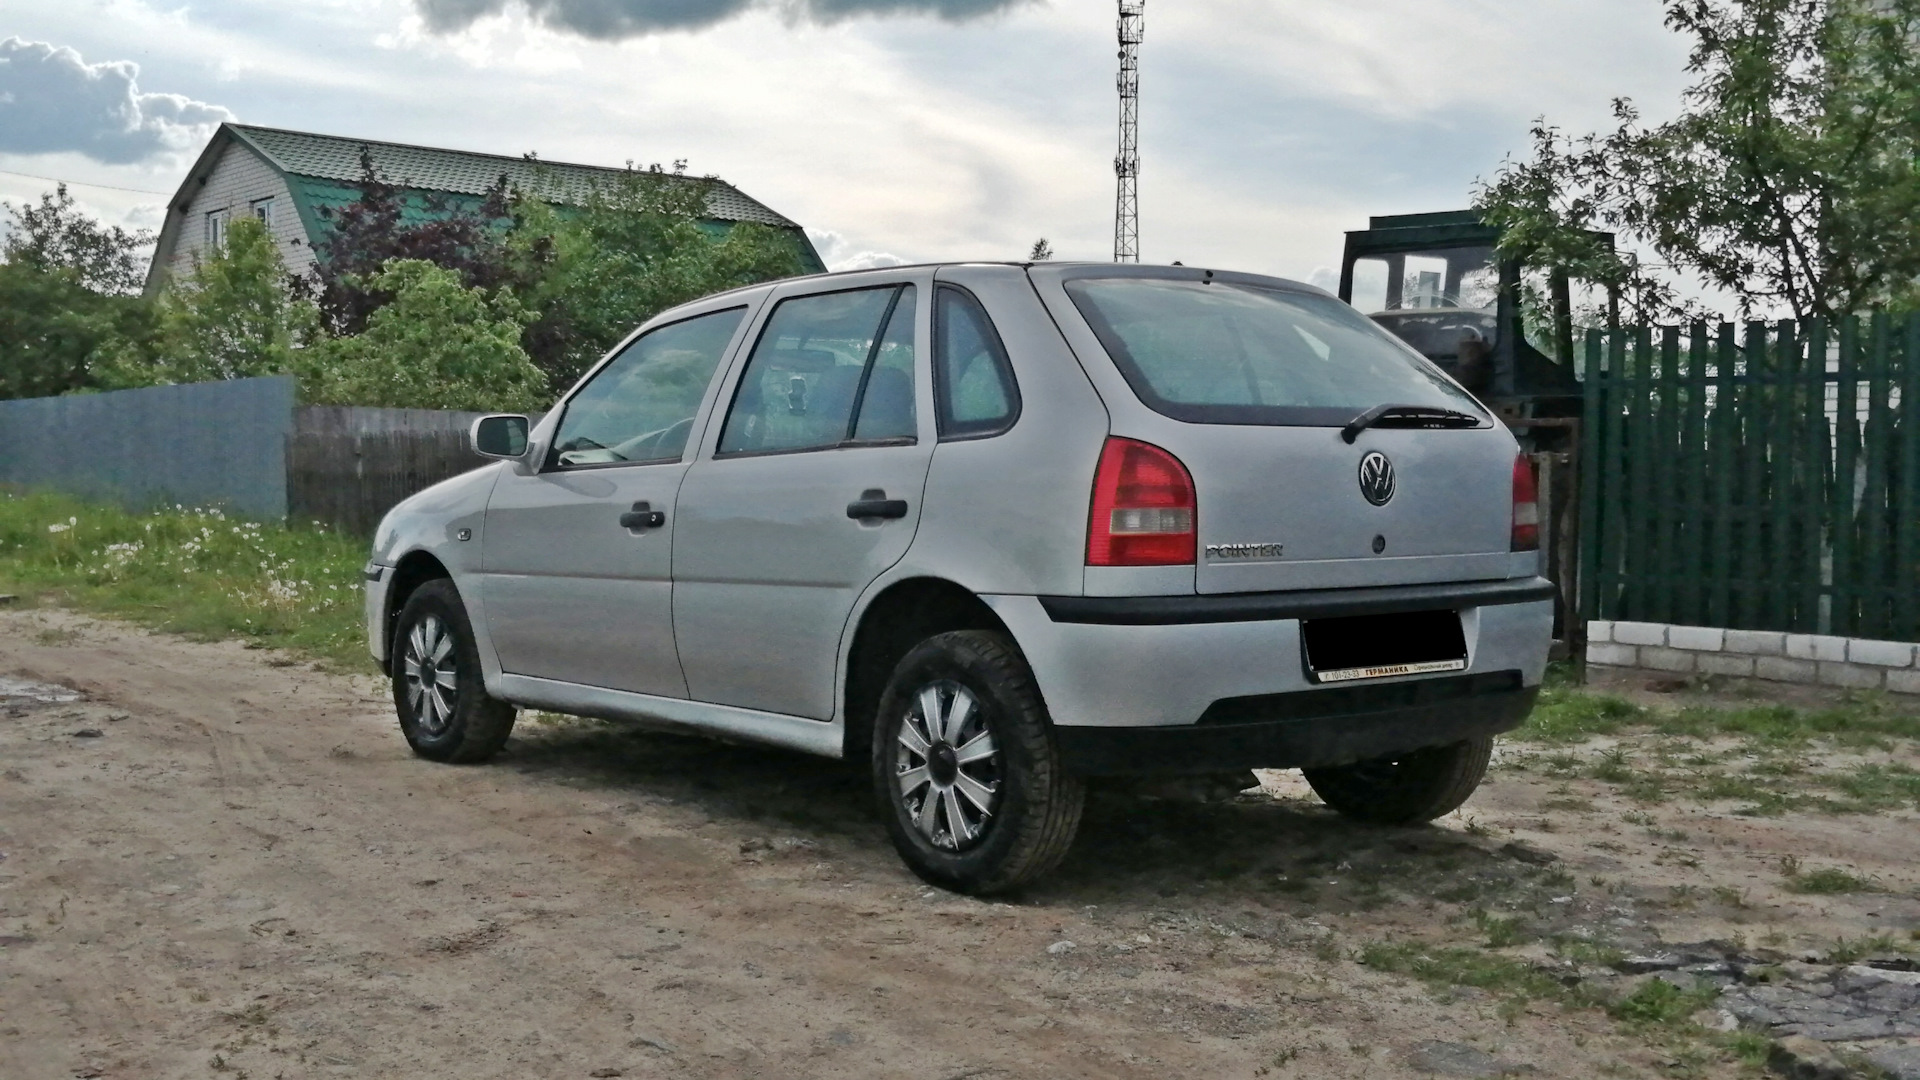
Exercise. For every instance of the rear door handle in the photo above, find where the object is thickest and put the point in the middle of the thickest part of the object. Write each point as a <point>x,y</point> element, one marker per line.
<point>873,503</point>
<point>642,516</point>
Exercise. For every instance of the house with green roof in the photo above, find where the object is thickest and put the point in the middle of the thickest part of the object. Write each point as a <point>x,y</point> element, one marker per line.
<point>290,179</point>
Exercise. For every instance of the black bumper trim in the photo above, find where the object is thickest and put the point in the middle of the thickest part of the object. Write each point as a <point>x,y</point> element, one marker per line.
<point>1308,729</point>
<point>1315,604</point>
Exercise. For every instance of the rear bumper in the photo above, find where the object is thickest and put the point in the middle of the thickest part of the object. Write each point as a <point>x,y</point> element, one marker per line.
<point>1198,683</point>
<point>1314,729</point>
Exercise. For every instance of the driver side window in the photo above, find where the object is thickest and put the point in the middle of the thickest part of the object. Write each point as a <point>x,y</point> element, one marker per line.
<point>640,408</point>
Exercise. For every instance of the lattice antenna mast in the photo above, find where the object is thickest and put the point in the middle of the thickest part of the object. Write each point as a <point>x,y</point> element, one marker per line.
<point>1126,166</point>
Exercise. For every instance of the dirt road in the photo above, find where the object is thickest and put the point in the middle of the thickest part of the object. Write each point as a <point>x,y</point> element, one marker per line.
<point>222,863</point>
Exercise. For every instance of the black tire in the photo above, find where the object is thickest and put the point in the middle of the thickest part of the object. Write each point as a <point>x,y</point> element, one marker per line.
<point>1405,789</point>
<point>459,723</point>
<point>1034,807</point>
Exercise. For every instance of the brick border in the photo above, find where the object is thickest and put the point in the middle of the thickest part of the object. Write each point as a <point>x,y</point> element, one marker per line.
<point>1813,659</point>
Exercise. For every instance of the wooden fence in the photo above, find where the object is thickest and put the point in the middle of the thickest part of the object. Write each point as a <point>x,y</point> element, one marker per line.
<point>348,480</point>
<point>1766,477</point>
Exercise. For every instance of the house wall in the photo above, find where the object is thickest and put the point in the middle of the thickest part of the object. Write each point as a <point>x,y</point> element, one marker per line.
<point>238,180</point>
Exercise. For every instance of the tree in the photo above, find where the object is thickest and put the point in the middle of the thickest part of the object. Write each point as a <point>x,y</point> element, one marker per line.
<point>233,317</point>
<point>437,345</point>
<point>56,235</point>
<point>65,303</point>
<point>1042,251</point>
<point>1790,179</point>
<point>367,234</point>
<point>54,330</point>
<point>636,247</point>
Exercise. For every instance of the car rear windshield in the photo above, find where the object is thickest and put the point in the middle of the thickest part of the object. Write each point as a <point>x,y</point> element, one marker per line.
<point>1220,353</point>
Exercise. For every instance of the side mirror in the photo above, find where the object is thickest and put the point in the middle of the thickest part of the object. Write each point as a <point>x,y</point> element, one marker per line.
<point>500,437</point>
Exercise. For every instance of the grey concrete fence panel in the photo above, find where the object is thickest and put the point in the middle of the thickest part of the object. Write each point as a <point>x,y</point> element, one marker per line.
<point>203,444</point>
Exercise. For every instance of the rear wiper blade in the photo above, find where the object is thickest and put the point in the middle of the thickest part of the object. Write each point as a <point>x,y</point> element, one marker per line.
<point>1436,417</point>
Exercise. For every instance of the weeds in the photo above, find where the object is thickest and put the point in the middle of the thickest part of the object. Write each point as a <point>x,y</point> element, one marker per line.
<point>1463,967</point>
<point>1568,715</point>
<point>1501,930</point>
<point>198,572</point>
<point>1828,881</point>
<point>1658,1002</point>
<point>1773,767</point>
<point>1849,950</point>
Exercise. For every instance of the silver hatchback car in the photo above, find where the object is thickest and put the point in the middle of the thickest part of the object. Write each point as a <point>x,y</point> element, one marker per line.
<point>993,530</point>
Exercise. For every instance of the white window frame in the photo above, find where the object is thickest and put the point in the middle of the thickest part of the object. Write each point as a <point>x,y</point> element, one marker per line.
<point>217,223</point>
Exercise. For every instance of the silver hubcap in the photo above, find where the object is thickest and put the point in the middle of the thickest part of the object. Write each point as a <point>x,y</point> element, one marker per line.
<point>947,766</point>
<point>428,670</point>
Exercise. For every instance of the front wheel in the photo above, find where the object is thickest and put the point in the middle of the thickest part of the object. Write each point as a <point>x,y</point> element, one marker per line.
<point>445,711</point>
<point>1405,789</point>
<point>966,770</point>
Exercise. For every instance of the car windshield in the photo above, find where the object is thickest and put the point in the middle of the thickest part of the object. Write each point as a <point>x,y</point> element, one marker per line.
<point>1220,353</point>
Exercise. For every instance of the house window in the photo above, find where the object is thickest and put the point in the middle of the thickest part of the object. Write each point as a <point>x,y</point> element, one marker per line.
<point>217,228</point>
<point>263,210</point>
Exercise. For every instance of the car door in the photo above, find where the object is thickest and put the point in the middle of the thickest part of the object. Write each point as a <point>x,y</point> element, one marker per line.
<point>810,489</point>
<point>577,557</point>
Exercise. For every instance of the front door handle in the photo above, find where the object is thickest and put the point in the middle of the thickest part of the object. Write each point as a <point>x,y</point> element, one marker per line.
<point>873,503</point>
<point>642,516</point>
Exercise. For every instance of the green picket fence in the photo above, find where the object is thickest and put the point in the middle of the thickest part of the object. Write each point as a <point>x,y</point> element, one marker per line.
<point>1761,478</point>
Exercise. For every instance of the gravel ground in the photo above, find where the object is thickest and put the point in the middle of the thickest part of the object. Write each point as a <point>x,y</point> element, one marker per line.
<point>217,862</point>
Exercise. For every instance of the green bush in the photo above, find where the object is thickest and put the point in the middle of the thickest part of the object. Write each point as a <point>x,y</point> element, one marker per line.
<point>436,345</point>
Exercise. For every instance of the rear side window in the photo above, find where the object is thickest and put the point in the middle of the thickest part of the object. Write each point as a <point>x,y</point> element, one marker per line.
<point>830,370</point>
<point>974,389</point>
<point>1219,353</point>
<point>641,406</point>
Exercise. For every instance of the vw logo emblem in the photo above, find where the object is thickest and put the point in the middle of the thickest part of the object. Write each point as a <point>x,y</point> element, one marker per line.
<point>1376,478</point>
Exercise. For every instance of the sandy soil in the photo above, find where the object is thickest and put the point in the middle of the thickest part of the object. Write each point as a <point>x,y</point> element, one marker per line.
<point>242,871</point>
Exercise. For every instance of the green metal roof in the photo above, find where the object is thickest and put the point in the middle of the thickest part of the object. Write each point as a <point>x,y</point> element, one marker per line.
<point>1416,221</point>
<point>330,157</point>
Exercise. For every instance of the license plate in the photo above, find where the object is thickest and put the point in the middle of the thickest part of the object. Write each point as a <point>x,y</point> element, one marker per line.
<point>1356,647</point>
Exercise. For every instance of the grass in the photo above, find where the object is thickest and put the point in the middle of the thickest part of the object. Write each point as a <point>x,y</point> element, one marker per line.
<point>199,572</point>
<point>1501,931</point>
<point>1657,1001</point>
<point>1453,966</point>
<point>1569,715</point>
<point>1826,881</point>
<point>1848,950</point>
<point>1657,1012</point>
<point>1767,759</point>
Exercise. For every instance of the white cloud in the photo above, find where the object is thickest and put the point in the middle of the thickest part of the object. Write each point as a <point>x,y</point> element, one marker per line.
<point>839,253</point>
<point>52,101</point>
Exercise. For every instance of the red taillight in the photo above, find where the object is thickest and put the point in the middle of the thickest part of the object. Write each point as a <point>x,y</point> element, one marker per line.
<point>1143,508</point>
<point>1526,507</point>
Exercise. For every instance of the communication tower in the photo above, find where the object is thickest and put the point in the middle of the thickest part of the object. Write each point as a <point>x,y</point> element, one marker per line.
<point>1126,166</point>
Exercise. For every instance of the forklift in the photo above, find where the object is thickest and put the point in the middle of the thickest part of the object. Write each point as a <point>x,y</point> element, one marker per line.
<point>1438,283</point>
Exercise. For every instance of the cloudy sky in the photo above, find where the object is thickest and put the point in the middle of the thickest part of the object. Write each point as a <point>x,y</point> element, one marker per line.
<point>908,129</point>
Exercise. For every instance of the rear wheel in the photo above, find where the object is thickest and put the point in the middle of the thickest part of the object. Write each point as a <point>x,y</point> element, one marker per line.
<point>964,763</point>
<point>445,711</point>
<point>1405,789</point>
